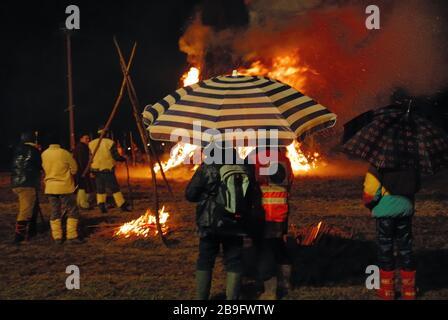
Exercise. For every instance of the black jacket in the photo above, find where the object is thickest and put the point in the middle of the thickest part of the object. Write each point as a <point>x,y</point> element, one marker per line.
<point>26,166</point>
<point>203,188</point>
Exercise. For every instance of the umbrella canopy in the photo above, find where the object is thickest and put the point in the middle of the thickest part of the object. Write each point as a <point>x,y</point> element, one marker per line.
<point>227,103</point>
<point>397,138</point>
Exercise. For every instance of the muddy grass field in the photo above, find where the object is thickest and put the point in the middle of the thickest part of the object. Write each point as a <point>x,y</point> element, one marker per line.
<point>145,269</point>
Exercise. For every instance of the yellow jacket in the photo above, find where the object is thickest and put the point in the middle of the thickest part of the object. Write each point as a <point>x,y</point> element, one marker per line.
<point>59,166</point>
<point>106,155</point>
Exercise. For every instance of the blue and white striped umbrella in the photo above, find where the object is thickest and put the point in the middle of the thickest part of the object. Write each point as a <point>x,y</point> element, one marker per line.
<point>236,103</point>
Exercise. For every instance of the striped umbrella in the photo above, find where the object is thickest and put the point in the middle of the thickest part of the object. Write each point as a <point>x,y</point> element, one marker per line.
<point>243,103</point>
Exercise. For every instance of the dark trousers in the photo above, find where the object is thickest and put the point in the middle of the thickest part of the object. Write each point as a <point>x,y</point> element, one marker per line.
<point>106,179</point>
<point>399,231</point>
<point>209,249</point>
<point>271,253</point>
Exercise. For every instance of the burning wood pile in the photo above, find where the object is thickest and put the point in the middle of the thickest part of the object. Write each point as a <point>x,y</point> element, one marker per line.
<point>144,226</point>
<point>312,234</point>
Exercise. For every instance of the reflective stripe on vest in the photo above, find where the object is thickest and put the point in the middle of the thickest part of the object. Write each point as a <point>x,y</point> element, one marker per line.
<point>275,202</point>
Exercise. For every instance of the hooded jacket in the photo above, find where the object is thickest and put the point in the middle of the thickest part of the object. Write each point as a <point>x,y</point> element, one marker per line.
<point>26,166</point>
<point>203,189</point>
<point>59,166</point>
<point>274,190</point>
<point>106,156</point>
<point>390,193</point>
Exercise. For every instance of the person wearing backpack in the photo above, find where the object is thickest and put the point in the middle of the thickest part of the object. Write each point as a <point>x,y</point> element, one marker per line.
<point>222,190</point>
<point>274,263</point>
<point>390,195</point>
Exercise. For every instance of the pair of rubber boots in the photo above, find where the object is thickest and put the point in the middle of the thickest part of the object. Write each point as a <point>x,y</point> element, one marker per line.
<point>118,198</point>
<point>204,281</point>
<point>387,285</point>
<point>279,286</point>
<point>72,231</point>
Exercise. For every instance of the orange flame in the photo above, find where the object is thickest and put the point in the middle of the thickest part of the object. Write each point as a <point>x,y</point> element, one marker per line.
<point>191,77</point>
<point>299,161</point>
<point>286,68</point>
<point>144,226</point>
<point>179,153</point>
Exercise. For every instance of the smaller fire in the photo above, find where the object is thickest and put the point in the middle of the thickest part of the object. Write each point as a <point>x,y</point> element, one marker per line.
<point>191,77</point>
<point>300,162</point>
<point>144,226</point>
<point>178,154</point>
<point>312,234</point>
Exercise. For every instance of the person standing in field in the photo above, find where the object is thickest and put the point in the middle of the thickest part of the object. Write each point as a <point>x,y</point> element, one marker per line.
<point>25,183</point>
<point>60,167</point>
<point>274,263</point>
<point>390,195</point>
<point>103,168</point>
<point>222,190</point>
<point>85,184</point>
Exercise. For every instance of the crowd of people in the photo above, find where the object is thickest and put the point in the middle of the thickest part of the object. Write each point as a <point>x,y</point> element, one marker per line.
<point>69,182</point>
<point>236,199</point>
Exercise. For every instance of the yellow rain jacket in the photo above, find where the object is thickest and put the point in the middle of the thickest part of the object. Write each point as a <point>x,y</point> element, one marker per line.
<point>106,156</point>
<point>59,166</point>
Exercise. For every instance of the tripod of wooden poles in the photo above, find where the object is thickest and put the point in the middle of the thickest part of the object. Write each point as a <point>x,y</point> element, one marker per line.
<point>150,152</point>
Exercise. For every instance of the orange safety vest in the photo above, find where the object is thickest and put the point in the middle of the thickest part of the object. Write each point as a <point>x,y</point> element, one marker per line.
<point>275,202</point>
<point>274,195</point>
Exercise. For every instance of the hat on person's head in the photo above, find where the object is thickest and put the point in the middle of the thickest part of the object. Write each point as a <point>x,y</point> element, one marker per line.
<point>101,129</point>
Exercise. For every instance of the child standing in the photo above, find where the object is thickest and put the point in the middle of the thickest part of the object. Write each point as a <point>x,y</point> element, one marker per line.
<point>389,194</point>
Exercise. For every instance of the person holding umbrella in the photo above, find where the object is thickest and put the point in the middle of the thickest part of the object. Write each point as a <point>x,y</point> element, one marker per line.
<point>274,263</point>
<point>222,190</point>
<point>229,108</point>
<point>390,195</point>
<point>400,144</point>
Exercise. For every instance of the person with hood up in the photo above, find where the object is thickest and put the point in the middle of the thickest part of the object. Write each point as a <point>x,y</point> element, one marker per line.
<point>25,183</point>
<point>60,167</point>
<point>390,195</point>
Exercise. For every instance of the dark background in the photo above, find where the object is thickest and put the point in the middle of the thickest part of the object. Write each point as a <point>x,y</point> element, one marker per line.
<point>33,83</point>
<point>33,94</point>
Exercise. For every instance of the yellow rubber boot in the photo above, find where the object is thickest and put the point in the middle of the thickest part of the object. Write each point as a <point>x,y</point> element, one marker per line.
<point>72,231</point>
<point>119,199</point>
<point>72,228</point>
<point>56,230</point>
<point>82,200</point>
<point>101,198</point>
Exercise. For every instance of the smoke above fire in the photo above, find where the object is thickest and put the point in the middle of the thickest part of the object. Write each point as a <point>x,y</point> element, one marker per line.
<point>324,49</point>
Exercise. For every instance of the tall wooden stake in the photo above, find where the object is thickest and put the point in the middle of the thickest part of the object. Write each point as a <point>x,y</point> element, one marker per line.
<point>114,110</point>
<point>70,90</point>
<point>134,102</point>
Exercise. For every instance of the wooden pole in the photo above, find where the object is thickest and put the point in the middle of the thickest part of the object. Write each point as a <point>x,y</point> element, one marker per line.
<point>132,148</point>
<point>143,133</point>
<point>70,91</point>
<point>139,124</point>
<point>114,110</point>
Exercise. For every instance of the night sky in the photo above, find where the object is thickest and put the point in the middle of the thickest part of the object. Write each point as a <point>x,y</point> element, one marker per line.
<point>33,92</point>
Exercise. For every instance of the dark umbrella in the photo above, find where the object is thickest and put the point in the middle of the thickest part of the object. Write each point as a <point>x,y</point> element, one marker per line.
<point>397,137</point>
